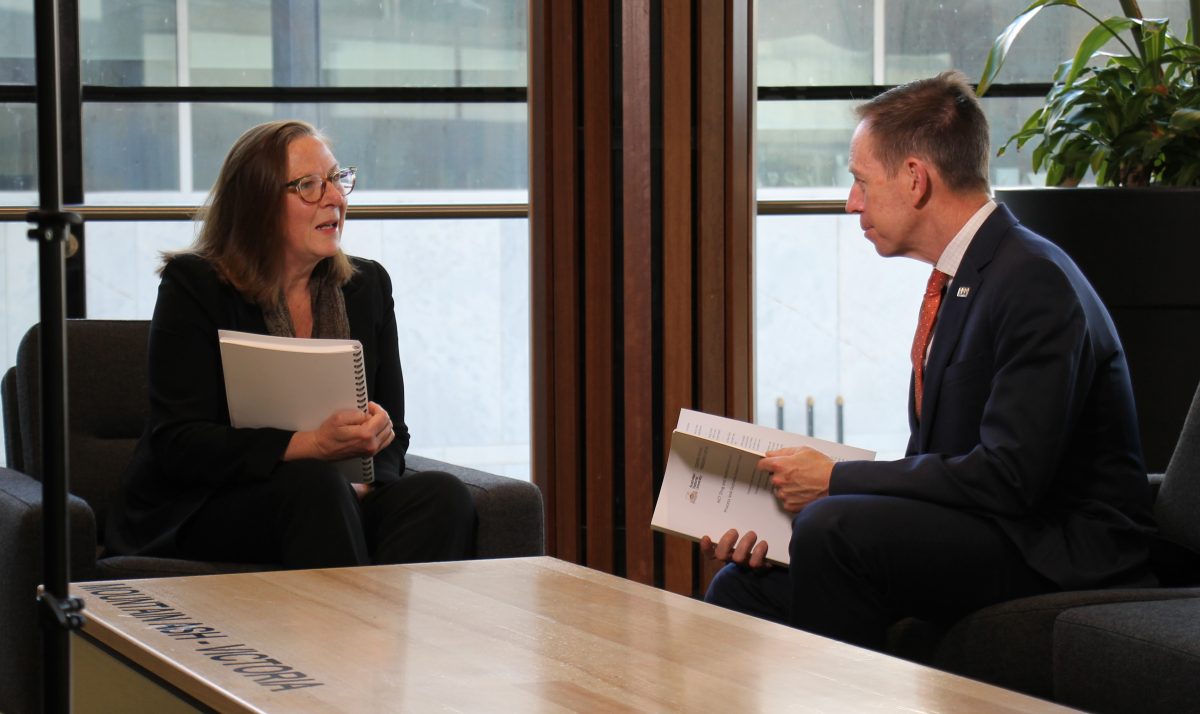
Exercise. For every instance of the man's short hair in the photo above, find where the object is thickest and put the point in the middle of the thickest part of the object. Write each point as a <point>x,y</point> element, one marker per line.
<point>937,119</point>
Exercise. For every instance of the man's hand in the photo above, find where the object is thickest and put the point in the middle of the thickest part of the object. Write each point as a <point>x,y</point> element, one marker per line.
<point>800,475</point>
<point>749,552</point>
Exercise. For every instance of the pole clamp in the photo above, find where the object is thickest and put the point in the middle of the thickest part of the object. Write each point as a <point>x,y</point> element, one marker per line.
<point>51,225</point>
<point>66,613</point>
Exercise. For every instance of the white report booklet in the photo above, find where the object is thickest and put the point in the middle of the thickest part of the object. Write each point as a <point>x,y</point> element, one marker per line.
<point>712,482</point>
<point>294,383</point>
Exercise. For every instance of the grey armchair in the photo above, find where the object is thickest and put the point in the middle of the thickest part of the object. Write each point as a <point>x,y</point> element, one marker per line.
<point>107,403</point>
<point>1113,651</point>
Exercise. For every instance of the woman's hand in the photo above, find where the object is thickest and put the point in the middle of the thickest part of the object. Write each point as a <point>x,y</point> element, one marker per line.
<point>344,435</point>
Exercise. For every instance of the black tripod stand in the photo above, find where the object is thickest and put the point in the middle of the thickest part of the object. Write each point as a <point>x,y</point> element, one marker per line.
<point>59,612</point>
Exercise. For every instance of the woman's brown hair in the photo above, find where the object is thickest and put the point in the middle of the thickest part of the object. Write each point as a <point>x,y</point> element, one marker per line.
<point>242,230</point>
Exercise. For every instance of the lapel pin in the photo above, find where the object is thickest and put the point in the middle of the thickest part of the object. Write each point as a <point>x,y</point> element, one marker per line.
<point>963,292</point>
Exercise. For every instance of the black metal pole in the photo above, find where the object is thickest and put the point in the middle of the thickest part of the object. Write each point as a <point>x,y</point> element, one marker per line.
<point>60,613</point>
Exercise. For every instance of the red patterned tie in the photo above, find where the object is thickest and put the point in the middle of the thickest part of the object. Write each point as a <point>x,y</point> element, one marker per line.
<point>928,316</point>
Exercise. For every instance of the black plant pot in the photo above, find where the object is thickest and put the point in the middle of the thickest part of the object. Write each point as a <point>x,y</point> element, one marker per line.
<point>1140,248</point>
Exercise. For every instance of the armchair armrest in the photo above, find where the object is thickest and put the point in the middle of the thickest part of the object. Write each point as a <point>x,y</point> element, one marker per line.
<point>1156,482</point>
<point>21,574</point>
<point>511,522</point>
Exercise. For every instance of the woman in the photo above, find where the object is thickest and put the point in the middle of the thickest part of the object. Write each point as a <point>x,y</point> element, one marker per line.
<point>267,260</point>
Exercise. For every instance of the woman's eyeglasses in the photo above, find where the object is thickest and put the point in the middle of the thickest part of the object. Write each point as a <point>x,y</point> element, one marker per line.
<point>311,189</point>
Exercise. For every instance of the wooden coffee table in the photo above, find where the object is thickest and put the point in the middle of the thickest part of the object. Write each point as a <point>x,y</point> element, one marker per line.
<point>521,635</point>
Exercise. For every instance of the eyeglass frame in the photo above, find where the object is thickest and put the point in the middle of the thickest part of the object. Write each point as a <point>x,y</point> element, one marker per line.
<point>334,177</point>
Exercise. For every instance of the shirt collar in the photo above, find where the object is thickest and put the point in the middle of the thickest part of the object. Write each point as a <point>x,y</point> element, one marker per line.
<point>953,254</point>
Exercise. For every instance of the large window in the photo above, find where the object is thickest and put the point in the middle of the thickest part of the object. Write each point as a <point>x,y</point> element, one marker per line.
<point>833,321</point>
<point>427,99</point>
<point>18,175</point>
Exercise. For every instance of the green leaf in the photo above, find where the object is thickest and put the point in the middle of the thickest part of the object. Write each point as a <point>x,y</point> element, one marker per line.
<point>1035,120</point>
<point>1124,61</point>
<point>1189,175</point>
<point>1004,41</point>
<point>1180,52</point>
<point>1154,33</point>
<point>1054,176</point>
<point>1093,41</point>
<point>1039,155</point>
<point>1185,119</point>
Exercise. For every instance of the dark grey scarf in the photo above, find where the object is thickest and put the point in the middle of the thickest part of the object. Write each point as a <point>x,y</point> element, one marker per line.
<point>328,308</point>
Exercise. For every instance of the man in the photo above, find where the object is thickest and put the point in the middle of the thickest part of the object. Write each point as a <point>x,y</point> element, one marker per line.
<point>1024,471</point>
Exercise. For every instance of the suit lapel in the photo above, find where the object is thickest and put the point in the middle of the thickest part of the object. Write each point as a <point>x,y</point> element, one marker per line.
<point>956,306</point>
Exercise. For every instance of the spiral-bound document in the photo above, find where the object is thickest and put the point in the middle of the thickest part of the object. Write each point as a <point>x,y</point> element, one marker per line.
<point>294,383</point>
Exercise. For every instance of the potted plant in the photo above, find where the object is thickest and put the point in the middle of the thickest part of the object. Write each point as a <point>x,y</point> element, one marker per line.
<point>1133,119</point>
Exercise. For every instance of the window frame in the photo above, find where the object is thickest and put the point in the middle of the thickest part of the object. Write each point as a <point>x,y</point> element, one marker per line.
<point>74,94</point>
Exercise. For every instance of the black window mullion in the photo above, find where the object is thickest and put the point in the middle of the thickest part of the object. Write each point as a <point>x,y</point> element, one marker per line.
<point>273,95</point>
<point>72,151</point>
<point>862,92</point>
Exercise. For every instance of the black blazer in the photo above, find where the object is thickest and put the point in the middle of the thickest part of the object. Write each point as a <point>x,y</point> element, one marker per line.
<point>1028,415</point>
<point>188,449</point>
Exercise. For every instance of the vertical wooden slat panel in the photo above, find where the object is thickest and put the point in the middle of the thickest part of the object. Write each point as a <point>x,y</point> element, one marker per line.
<point>567,382</point>
<point>677,254</point>
<point>599,391</point>
<point>739,228</point>
<point>711,305</point>
<point>595,349</point>
<point>637,327</point>
<point>541,256</point>
<point>711,208</point>
<point>556,377</point>
<point>725,92</point>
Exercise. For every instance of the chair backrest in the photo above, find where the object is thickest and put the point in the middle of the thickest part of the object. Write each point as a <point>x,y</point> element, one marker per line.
<point>1178,504</point>
<point>107,402</point>
<point>14,456</point>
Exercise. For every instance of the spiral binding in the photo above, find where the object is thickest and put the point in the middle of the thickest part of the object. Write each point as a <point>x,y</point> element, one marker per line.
<point>360,390</point>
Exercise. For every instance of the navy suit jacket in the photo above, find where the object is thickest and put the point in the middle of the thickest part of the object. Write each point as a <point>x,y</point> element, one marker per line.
<point>1027,415</point>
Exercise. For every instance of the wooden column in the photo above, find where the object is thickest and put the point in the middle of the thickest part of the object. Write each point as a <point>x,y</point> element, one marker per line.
<point>708,227</point>
<point>601,398</point>
<point>640,352</point>
<point>678,226</point>
<point>555,279</point>
<point>641,219</point>
<point>740,182</point>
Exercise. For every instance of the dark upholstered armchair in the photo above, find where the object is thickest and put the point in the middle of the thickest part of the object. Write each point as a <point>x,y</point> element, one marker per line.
<point>107,404</point>
<point>1106,651</point>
